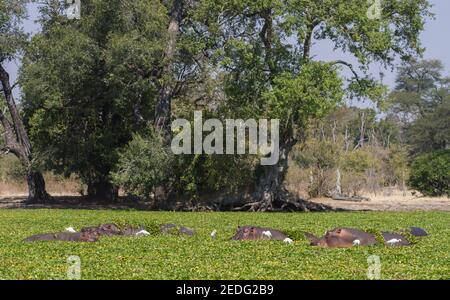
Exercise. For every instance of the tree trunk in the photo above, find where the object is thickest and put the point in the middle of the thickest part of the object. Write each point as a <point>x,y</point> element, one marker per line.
<point>102,191</point>
<point>36,188</point>
<point>270,193</point>
<point>164,103</point>
<point>362,133</point>
<point>17,142</point>
<point>338,190</point>
<point>270,190</point>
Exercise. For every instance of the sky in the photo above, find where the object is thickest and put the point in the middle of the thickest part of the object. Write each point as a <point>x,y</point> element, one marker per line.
<point>435,38</point>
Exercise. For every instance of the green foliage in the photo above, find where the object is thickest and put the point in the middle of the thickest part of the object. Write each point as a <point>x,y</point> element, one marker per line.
<point>88,85</point>
<point>123,222</point>
<point>203,174</point>
<point>91,84</point>
<point>145,163</point>
<point>12,38</point>
<point>430,173</point>
<point>311,94</point>
<point>11,169</point>
<point>396,167</point>
<point>431,131</point>
<point>296,235</point>
<point>199,257</point>
<point>421,101</point>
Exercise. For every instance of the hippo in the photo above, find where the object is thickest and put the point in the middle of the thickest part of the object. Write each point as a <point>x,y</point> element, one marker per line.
<point>394,239</point>
<point>168,228</point>
<point>418,232</point>
<point>103,230</point>
<point>129,230</point>
<point>112,229</point>
<point>257,233</point>
<point>342,238</point>
<point>349,237</point>
<point>64,236</point>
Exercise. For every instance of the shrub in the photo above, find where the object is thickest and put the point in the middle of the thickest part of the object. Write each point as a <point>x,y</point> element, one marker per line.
<point>145,163</point>
<point>430,173</point>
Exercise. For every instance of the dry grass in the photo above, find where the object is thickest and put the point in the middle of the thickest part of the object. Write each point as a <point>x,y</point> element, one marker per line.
<point>394,201</point>
<point>54,185</point>
<point>384,199</point>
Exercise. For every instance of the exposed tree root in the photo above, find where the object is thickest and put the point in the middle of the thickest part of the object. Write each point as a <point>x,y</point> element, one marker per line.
<point>284,202</point>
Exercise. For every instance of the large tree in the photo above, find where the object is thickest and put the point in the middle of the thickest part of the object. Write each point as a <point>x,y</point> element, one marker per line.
<point>90,83</point>
<point>16,141</point>
<point>421,99</point>
<point>266,52</point>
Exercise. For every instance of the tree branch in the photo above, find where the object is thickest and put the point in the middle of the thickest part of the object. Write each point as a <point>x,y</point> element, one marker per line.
<point>308,40</point>
<point>266,35</point>
<point>350,66</point>
<point>19,128</point>
<point>14,85</point>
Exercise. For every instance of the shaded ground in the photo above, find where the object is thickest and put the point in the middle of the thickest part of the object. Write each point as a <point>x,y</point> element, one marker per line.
<point>394,202</point>
<point>71,202</point>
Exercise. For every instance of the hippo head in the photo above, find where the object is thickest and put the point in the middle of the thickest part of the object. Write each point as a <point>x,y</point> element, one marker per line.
<point>88,236</point>
<point>103,229</point>
<point>345,238</point>
<point>109,229</point>
<point>246,233</point>
<point>336,238</point>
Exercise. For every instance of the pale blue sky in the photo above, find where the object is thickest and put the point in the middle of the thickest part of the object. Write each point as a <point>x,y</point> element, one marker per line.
<point>435,38</point>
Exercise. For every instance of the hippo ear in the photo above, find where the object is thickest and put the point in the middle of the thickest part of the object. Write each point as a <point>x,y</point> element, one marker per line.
<point>314,240</point>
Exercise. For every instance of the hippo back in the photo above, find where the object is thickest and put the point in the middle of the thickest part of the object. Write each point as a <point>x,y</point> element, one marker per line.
<point>103,230</point>
<point>417,231</point>
<point>173,228</point>
<point>63,236</point>
<point>256,233</point>
<point>346,238</point>
<point>395,238</point>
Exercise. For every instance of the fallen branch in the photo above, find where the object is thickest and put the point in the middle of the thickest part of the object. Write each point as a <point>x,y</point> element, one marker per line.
<point>348,198</point>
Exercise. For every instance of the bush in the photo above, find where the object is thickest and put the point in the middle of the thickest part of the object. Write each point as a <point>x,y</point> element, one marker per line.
<point>143,165</point>
<point>11,169</point>
<point>430,173</point>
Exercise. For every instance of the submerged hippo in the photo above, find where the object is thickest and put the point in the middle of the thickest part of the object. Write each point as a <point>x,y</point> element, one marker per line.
<point>258,233</point>
<point>103,230</point>
<point>342,238</point>
<point>64,236</point>
<point>130,230</point>
<point>349,237</point>
<point>418,232</point>
<point>112,229</point>
<point>170,228</point>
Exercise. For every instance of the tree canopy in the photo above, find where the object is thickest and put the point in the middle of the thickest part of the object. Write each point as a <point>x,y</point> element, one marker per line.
<point>92,84</point>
